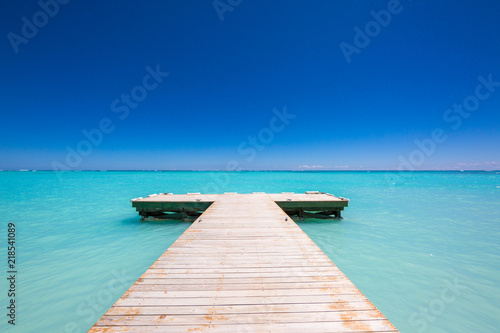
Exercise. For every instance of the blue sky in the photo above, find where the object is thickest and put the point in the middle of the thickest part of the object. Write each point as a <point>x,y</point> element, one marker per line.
<point>271,85</point>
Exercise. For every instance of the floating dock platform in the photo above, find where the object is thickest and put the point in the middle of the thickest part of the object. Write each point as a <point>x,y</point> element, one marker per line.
<point>243,266</point>
<point>186,206</point>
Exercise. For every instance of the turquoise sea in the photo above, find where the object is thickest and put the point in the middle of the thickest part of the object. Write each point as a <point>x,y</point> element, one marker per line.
<point>424,247</point>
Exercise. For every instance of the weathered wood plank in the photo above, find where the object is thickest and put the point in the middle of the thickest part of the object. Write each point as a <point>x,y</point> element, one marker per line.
<point>254,318</point>
<point>236,309</point>
<point>350,289</point>
<point>298,327</point>
<point>237,286</point>
<point>230,301</point>
<point>261,280</point>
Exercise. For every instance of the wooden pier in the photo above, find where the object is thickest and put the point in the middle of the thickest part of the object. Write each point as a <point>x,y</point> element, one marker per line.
<point>243,266</point>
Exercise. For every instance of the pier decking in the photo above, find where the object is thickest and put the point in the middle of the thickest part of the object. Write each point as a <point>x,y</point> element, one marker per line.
<point>243,266</point>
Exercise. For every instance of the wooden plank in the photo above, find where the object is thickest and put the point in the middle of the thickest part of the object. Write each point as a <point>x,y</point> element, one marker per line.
<point>349,289</point>
<point>243,266</point>
<point>195,270</point>
<point>254,318</point>
<point>151,286</point>
<point>260,280</point>
<point>235,309</point>
<point>157,273</point>
<point>231,301</point>
<point>298,327</point>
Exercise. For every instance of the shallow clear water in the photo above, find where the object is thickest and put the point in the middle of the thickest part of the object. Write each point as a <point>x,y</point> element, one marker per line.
<point>424,247</point>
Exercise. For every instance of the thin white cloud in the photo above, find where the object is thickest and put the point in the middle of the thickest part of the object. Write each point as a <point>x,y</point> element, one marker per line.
<point>305,166</point>
<point>490,164</point>
<point>469,164</point>
<point>316,166</point>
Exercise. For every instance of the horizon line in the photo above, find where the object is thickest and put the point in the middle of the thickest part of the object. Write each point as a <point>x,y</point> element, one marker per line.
<point>250,170</point>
